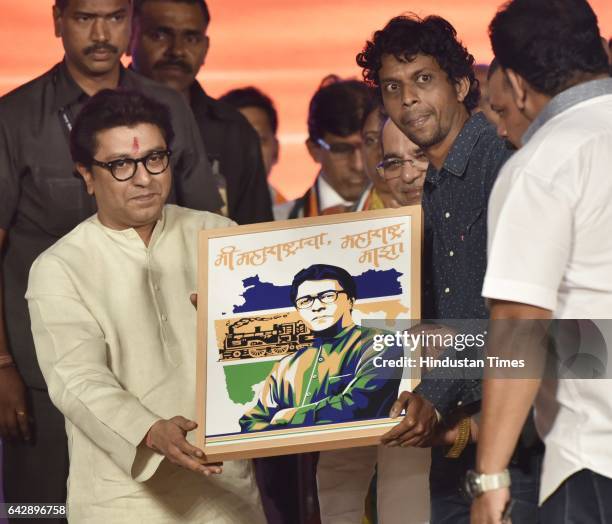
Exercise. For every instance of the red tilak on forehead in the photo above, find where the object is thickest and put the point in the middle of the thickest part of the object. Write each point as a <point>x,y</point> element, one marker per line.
<point>135,146</point>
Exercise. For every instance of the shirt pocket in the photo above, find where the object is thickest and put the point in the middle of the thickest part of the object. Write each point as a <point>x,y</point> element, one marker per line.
<point>475,219</point>
<point>60,198</point>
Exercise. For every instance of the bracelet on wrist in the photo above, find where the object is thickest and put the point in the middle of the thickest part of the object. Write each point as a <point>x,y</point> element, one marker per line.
<point>462,440</point>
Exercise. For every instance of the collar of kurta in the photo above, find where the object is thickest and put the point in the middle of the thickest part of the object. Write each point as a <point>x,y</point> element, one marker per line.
<point>130,237</point>
<point>568,99</point>
<point>68,92</point>
<point>337,337</point>
<point>458,157</point>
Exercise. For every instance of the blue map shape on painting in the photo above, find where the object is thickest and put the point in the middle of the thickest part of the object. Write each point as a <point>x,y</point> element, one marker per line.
<point>260,295</point>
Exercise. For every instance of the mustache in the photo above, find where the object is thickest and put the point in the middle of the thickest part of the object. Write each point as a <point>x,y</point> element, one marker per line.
<point>100,47</point>
<point>174,62</point>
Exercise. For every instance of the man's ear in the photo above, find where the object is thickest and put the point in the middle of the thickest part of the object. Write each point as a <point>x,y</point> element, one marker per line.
<point>314,150</point>
<point>206,48</point>
<point>518,87</point>
<point>351,304</point>
<point>276,151</point>
<point>134,30</point>
<point>57,21</point>
<point>87,175</point>
<point>462,88</point>
<point>607,49</point>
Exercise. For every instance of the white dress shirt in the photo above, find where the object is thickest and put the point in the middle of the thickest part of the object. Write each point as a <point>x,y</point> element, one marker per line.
<point>115,336</point>
<point>328,196</point>
<point>550,246</point>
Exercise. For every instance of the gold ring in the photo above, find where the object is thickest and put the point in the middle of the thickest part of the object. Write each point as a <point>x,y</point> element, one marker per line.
<point>21,413</point>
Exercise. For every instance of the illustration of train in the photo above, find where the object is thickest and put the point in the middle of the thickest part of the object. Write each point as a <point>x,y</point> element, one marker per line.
<point>283,338</point>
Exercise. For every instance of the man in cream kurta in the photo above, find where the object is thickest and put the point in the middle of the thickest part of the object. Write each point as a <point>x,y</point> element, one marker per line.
<point>115,336</point>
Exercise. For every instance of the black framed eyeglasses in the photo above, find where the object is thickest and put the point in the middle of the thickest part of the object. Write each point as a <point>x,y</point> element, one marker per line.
<point>391,168</point>
<point>325,297</point>
<point>123,169</point>
<point>339,148</point>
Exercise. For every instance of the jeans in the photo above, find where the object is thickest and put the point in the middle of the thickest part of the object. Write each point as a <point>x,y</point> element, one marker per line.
<point>583,498</point>
<point>450,504</point>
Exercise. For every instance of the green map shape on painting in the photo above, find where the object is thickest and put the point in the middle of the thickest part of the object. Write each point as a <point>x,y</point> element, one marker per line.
<point>240,379</point>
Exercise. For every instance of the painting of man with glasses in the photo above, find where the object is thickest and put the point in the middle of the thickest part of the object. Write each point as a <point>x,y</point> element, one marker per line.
<point>335,379</point>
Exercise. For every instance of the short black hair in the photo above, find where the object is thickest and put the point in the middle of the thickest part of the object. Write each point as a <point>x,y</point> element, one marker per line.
<point>550,43</point>
<point>62,4</point>
<point>406,36</point>
<point>324,272</point>
<point>115,108</point>
<point>252,97</point>
<point>201,3</point>
<point>339,107</point>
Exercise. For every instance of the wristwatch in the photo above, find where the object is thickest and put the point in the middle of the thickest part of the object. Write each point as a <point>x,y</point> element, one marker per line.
<point>478,483</point>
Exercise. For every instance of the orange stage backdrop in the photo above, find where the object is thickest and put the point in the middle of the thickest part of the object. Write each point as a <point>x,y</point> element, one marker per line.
<point>284,47</point>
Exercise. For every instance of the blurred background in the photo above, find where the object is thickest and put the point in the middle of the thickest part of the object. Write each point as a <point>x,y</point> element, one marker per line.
<point>284,47</point>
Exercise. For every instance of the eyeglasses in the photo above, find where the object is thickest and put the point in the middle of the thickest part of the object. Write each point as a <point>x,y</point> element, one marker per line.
<point>325,297</point>
<point>339,148</point>
<point>392,167</point>
<point>123,169</point>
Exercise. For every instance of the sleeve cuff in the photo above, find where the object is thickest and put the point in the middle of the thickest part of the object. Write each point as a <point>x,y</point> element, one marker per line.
<point>442,393</point>
<point>145,463</point>
<point>138,464</point>
<point>522,292</point>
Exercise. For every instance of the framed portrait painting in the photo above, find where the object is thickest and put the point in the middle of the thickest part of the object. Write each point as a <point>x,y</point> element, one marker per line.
<point>295,331</point>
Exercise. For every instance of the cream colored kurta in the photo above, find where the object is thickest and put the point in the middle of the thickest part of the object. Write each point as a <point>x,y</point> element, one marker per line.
<point>115,336</point>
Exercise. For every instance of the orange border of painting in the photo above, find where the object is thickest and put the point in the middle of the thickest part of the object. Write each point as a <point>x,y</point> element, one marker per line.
<point>304,439</point>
